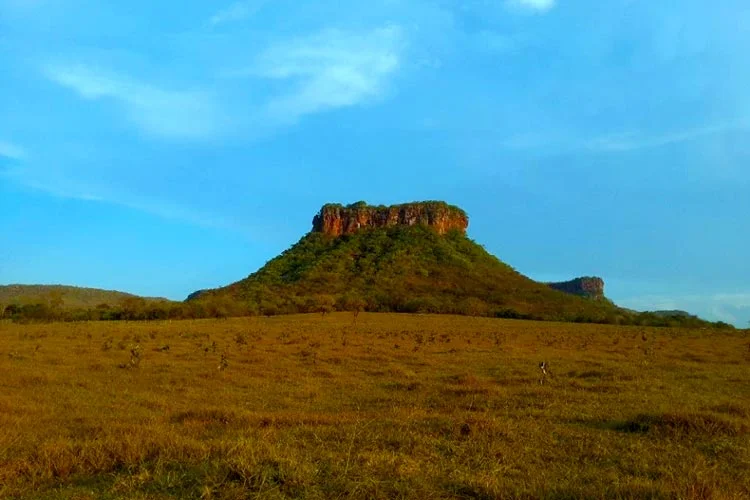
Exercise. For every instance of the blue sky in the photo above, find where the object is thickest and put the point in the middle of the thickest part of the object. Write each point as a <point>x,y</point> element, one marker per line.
<point>163,147</point>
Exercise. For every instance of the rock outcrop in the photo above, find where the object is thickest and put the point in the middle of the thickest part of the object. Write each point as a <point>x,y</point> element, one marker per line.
<point>336,220</point>
<point>588,286</point>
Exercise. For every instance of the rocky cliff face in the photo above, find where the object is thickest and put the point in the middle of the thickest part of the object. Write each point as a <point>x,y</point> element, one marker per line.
<point>588,286</point>
<point>336,220</point>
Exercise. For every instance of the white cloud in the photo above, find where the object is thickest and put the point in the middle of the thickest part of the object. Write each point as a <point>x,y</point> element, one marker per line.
<point>166,113</point>
<point>332,69</point>
<point>12,151</point>
<point>535,5</point>
<point>238,11</point>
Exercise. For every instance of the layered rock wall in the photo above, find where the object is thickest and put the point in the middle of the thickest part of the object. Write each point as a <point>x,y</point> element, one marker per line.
<point>336,220</point>
<point>588,286</point>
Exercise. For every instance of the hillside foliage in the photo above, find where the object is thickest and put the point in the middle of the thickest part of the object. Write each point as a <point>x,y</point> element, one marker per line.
<point>66,297</point>
<point>409,269</point>
<point>71,303</point>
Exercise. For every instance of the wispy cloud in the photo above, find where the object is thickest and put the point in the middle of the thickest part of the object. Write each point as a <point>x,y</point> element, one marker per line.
<point>12,151</point>
<point>534,5</point>
<point>156,111</point>
<point>76,188</point>
<point>238,11</point>
<point>556,142</point>
<point>332,69</point>
<point>732,307</point>
<point>633,141</point>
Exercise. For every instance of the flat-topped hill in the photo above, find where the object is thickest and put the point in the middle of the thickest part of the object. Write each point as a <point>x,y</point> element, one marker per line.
<point>413,257</point>
<point>336,219</point>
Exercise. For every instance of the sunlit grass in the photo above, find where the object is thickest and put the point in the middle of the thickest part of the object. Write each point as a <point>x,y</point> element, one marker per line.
<point>398,406</point>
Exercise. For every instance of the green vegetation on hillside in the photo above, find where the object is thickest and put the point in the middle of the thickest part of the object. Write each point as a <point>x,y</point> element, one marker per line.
<point>429,205</point>
<point>407,269</point>
<point>66,297</point>
<point>59,302</point>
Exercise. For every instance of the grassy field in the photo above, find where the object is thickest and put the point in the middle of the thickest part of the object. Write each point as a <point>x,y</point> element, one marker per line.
<point>398,406</point>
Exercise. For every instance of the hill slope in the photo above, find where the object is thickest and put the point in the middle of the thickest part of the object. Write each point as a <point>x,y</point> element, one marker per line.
<point>405,267</point>
<point>66,297</point>
<point>70,303</point>
<point>413,257</point>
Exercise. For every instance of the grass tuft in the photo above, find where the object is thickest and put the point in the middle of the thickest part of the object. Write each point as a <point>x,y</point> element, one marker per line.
<point>684,424</point>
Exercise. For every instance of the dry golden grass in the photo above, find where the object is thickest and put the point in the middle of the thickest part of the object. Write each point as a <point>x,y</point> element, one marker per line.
<point>400,406</point>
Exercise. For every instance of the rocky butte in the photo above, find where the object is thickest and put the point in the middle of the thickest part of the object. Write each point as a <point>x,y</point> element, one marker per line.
<point>411,258</point>
<point>337,220</point>
<point>588,286</point>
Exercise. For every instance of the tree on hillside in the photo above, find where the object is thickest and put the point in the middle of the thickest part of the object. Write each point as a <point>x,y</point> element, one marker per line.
<point>55,303</point>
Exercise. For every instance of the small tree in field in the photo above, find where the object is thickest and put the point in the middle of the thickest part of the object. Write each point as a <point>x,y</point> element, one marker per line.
<point>353,302</point>
<point>133,308</point>
<point>324,304</point>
